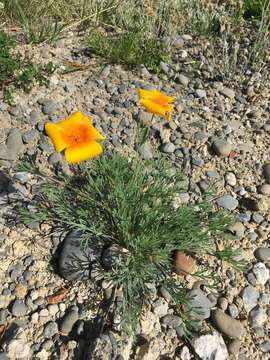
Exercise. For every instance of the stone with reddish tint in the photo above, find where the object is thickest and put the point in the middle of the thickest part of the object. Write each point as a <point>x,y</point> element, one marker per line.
<point>184,264</point>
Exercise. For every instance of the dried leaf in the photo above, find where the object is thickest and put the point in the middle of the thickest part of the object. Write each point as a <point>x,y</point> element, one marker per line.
<point>59,296</point>
<point>232,154</point>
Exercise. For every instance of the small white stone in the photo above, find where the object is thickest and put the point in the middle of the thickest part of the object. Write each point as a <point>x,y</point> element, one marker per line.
<point>17,349</point>
<point>34,318</point>
<point>230,179</point>
<point>62,307</point>
<point>53,309</point>
<point>44,312</point>
<point>261,273</point>
<point>184,353</point>
<point>42,355</point>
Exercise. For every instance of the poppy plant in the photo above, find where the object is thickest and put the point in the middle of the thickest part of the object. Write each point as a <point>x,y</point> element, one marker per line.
<point>156,102</point>
<point>77,136</point>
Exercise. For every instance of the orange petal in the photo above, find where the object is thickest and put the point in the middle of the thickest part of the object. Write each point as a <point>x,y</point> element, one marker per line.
<point>155,96</point>
<point>158,109</point>
<point>83,152</point>
<point>54,132</point>
<point>77,120</point>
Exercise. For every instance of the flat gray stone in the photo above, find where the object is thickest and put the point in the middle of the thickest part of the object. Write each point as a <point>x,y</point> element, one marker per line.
<point>19,308</point>
<point>168,148</point>
<point>221,148</point>
<point>227,202</point>
<point>250,297</point>
<point>200,304</point>
<point>68,322</point>
<point>262,254</point>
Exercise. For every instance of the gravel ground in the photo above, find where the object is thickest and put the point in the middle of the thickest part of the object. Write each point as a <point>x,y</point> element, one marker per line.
<point>220,131</point>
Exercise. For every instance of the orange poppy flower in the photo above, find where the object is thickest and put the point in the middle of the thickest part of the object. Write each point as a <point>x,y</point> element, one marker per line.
<point>157,102</point>
<point>77,136</point>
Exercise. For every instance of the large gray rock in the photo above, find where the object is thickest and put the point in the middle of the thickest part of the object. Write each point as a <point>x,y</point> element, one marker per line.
<point>200,304</point>
<point>13,146</point>
<point>76,262</point>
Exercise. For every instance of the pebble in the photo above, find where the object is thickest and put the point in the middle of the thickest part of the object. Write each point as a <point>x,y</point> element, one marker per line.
<point>227,325</point>
<point>227,202</point>
<point>160,307</point>
<point>265,346</point>
<point>19,308</point>
<point>68,321</point>
<point>184,80</point>
<point>222,303</point>
<point>200,93</point>
<point>230,179</point>
<point>261,273</point>
<point>233,311</point>
<point>257,317</point>
<point>250,297</point>
<point>266,172</point>
<point>234,347</point>
<point>50,329</point>
<point>49,107</point>
<point>222,148</point>
<point>171,321</point>
<point>262,253</point>
<point>210,346</point>
<point>229,93</point>
<point>184,353</point>
<point>200,305</point>
<point>4,316</point>
<point>264,189</point>
<point>146,151</point>
<point>168,148</point>
<point>53,309</point>
<point>13,147</point>
<point>54,158</point>
<point>105,71</point>
<point>238,229</point>
<point>30,136</point>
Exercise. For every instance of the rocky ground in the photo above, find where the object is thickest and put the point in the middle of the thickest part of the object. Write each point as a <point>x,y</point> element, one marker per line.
<point>220,131</point>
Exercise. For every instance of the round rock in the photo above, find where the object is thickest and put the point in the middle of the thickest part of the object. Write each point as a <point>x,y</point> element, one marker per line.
<point>262,253</point>
<point>221,148</point>
<point>50,329</point>
<point>171,321</point>
<point>264,189</point>
<point>261,273</point>
<point>19,308</point>
<point>227,202</point>
<point>250,297</point>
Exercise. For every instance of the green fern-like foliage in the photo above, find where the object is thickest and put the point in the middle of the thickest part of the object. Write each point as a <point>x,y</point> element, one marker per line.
<point>130,203</point>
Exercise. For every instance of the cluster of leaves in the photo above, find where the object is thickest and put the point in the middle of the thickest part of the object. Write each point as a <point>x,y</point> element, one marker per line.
<point>129,203</point>
<point>130,48</point>
<point>17,72</point>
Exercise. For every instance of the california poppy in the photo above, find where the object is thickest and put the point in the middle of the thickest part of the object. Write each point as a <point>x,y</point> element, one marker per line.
<point>157,102</point>
<point>77,136</point>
